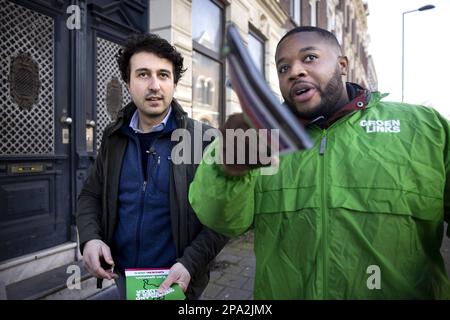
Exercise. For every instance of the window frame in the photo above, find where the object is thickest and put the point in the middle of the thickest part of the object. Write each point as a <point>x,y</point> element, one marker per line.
<point>313,12</point>
<point>259,37</point>
<point>293,12</point>
<point>216,57</point>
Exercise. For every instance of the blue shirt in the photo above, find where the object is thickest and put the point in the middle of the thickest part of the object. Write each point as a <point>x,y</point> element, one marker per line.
<point>146,139</point>
<point>134,122</point>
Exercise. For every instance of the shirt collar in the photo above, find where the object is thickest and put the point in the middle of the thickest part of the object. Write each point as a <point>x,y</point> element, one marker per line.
<point>134,123</point>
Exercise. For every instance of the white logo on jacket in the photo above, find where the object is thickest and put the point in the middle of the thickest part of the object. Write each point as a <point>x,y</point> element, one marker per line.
<point>390,126</point>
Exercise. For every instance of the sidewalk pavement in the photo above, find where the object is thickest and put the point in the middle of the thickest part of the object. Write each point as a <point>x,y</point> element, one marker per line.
<point>232,273</point>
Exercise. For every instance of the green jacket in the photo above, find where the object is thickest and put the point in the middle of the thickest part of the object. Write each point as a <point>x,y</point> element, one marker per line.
<point>358,216</point>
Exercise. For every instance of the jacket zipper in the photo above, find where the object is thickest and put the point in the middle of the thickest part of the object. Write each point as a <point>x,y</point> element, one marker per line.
<point>141,207</point>
<point>138,233</point>
<point>153,178</point>
<point>323,144</point>
<point>322,149</point>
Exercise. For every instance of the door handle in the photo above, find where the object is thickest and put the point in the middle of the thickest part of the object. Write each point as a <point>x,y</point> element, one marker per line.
<point>66,120</point>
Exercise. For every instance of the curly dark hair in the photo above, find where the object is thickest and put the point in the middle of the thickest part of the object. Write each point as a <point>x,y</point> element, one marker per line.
<point>152,43</point>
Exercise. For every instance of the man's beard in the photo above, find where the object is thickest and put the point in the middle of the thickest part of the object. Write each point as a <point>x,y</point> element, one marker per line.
<point>330,97</point>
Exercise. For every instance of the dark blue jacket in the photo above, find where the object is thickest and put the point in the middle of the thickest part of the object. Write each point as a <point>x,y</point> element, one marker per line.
<point>143,237</point>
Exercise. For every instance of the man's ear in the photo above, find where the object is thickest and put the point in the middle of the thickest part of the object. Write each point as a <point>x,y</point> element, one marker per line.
<point>343,65</point>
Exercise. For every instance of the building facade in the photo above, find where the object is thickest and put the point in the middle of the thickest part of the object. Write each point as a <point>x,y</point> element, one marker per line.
<point>204,91</point>
<point>61,86</point>
<point>347,19</point>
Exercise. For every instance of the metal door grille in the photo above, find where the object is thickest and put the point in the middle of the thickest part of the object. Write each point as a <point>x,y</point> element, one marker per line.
<point>107,71</point>
<point>25,132</point>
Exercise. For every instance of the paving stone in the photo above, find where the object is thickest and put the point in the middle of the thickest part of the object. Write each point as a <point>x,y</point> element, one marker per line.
<point>234,294</point>
<point>233,269</point>
<point>242,253</point>
<point>248,272</point>
<point>212,291</point>
<point>232,280</point>
<point>214,275</point>
<point>232,272</point>
<point>230,258</point>
<point>248,262</point>
<point>248,285</point>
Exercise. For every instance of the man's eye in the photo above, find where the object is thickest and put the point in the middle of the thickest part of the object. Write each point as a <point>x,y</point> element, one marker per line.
<point>310,57</point>
<point>283,69</point>
<point>164,75</point>
<point>142,75</point>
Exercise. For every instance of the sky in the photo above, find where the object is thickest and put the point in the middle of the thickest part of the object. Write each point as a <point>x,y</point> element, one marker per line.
<point>426,51</point>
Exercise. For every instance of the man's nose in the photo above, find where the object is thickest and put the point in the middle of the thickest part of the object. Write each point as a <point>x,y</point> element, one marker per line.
<point>298,70</point>
<point>153,84</point>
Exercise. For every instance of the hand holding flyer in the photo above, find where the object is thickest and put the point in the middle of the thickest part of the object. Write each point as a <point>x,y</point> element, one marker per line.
<point>143,284</point>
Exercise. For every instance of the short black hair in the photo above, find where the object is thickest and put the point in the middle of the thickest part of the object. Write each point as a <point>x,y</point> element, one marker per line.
<point>152,43</point>
<point>322,32</point>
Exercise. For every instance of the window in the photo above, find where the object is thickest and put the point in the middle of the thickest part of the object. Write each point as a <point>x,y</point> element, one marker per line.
<point>206,75</point>
<point>207,63</point>
<point>256,49</point>
<point>347,19</point>
<point>295,11</point>
<point>313,4</point>
<point>338,33</point>
<point>354,30</point>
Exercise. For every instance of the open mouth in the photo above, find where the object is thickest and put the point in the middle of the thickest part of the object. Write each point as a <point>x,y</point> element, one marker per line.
<point>302,92</point>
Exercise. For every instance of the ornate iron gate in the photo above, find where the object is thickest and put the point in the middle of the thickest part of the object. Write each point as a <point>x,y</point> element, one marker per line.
<point>111,94</point>
<point>26,130</point>
<point>34,161</point>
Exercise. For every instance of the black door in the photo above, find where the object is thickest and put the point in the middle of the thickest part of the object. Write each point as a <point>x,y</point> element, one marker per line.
<point>109,24</point>
<point>102,92</point>
<point>35,127</point>
<point>60,87</point>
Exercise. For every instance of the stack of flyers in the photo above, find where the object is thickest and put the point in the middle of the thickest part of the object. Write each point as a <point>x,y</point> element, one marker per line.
<point>143,284</point>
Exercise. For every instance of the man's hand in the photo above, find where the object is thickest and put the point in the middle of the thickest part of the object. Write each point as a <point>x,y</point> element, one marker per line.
<point>97,259</point>
<point>250,150</point>
<point>177,274</point>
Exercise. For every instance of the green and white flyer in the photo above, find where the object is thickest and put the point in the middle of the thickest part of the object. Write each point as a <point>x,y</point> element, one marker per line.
<point>143,284</point>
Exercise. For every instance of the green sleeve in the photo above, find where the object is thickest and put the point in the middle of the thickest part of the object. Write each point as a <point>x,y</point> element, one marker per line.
<point>223,203</point>
<point>446,131</point>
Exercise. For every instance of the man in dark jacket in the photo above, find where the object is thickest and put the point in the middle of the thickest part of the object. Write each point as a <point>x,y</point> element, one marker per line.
<point>133,211</point>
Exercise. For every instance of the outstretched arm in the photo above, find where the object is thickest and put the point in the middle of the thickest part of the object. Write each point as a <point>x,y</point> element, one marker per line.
<point>222,202</point>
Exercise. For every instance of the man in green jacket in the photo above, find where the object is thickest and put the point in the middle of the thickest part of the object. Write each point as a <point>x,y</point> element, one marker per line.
<point>358,216</point>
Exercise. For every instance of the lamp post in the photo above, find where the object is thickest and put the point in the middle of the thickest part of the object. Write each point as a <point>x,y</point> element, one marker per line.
<point>427,7</point>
